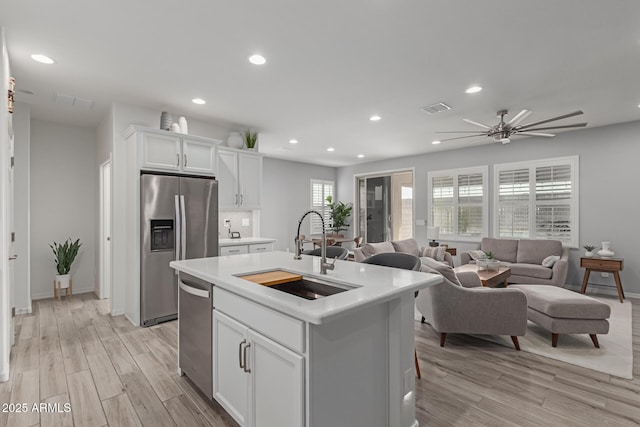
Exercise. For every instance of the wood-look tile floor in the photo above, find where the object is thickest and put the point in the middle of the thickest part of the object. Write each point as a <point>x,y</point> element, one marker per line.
<point>112,373</point>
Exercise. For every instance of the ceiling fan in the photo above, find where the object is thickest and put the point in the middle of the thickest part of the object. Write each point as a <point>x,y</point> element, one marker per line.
<point>503,131</point>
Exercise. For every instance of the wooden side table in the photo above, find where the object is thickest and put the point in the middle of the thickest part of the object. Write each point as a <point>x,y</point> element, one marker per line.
<point>606,265</point>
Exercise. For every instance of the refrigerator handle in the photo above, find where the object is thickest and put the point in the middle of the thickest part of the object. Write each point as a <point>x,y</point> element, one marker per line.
<point>183,228</point>
<point>178,228</point>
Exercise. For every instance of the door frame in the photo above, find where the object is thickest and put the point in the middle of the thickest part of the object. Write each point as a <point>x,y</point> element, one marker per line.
<point>105,288</point>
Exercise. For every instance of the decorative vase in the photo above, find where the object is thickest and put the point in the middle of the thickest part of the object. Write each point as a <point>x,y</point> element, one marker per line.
<point>184,128</point>
<point>606,250</point>
<point>588,253</point>
<point>165,121</point>
<point>175,127</point>
<point>235,140</point>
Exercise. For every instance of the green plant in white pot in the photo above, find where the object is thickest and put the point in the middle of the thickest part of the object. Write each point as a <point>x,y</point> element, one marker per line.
<point>65,253</point>
<point>250,139</point>
<point>340,213</point>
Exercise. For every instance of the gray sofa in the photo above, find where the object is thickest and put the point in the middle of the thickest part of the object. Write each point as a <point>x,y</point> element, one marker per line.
<point>408,246</point>
<point>524,257</point>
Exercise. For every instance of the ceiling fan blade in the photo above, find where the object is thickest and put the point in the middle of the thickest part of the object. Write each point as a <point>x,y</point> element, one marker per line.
<point>459,131</point>
<point>462,137</point>
<point>477,124</point>
<point>564,116</point>
<point>519,117</point>
<point>577,125</point>
<point>547,135</point>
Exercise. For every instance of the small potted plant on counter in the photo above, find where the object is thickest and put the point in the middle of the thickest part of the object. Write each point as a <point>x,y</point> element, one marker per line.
<point>250,139</point>
<point>340,212</point>
<point>64,253</point>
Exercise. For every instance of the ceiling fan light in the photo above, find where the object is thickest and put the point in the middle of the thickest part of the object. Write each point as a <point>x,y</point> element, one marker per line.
<point>505,140</point>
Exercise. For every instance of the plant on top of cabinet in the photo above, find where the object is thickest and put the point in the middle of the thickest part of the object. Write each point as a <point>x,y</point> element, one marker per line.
<point>340,213</point>
<point>250,139</point>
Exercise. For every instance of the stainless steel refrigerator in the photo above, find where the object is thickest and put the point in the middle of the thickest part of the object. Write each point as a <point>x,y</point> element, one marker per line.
<point>179,220</point>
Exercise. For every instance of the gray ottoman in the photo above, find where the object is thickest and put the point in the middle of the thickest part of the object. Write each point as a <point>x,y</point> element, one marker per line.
<point>562,311</point>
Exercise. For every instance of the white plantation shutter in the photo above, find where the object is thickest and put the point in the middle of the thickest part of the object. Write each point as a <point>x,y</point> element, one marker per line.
<point>319,192</point>
<point>538,200</point>
<point>458,203</point>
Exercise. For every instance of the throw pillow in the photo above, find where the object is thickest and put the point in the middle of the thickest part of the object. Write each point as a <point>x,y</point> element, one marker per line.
<point>477,254</point>
<point>550,260</point>
<point>436,253</point>
<point>408,246</point>
<point>443,268</point>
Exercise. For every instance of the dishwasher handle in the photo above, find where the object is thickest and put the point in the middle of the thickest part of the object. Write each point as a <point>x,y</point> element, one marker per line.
<point>194,291</point>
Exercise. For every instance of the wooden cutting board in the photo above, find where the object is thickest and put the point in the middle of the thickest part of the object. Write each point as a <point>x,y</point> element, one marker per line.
<point>270,278</point>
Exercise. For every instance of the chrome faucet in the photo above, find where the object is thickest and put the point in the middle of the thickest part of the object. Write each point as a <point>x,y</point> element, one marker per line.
<point>324,265</point>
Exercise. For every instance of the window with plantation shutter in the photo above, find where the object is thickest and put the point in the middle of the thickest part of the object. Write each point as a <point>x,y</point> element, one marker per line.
<point>537,200</point>
<point>319,192</point>
<point>458,203</point>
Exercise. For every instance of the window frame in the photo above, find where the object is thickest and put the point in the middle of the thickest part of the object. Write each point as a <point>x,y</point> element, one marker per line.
<point>324,210</point>
<point>532,165</point>
<point>455,174</point>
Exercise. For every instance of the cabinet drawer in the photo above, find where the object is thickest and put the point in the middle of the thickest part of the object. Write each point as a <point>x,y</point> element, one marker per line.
<point>277,326</point>
<point>261,247</point>
<point>604,264</point>
<point>234,250</point>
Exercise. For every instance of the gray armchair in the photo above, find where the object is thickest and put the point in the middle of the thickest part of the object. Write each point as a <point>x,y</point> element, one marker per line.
<point>472,309</point>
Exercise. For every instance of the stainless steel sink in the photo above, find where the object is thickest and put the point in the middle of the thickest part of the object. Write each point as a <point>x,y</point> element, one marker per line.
<point>308,288</point>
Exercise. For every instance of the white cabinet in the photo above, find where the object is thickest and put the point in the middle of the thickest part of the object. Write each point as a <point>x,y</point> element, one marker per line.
<point>239,179</point>
<point>169,151</point>
<point>246,249</point>
<point>258,381</point>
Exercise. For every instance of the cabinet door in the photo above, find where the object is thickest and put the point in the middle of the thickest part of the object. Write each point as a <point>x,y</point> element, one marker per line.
<point>230,381</point>
<point>260,247</point>
<point>250,181</point>
<point>160,152</point>
<point>198,157</point>
<point>234,250</point>
<point>277,384</point>
<point>227,179</point>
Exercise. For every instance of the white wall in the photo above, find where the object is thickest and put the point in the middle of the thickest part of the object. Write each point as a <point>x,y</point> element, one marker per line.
<point>63,183</point>
<point>286,196</point>
<point>5,292</point>
<point>21,207</point>
<point>608,177</point>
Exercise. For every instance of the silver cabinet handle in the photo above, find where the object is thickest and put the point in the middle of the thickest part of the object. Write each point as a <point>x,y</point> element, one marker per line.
<point>240,353</point>
<point>194,291</point>
<point>242,199</point>
<point>177,159</point>
<point>176,202</point>
<point>11,258</point>
<point>234,251</point>
<point>183,227</point>
<point>246,366</point>
<point>185,160</point>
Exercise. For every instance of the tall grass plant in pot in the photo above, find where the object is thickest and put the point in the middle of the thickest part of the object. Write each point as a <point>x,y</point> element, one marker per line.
<point>64,255</point>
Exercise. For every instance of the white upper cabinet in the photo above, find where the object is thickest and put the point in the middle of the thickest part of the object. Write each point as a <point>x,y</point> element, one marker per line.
<point>161,150</point>
<point>239,179</point>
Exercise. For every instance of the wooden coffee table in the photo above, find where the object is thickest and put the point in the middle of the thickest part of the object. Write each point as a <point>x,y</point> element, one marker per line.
<point>488,278</point>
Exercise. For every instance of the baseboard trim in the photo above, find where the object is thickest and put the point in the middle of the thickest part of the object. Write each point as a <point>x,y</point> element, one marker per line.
<point>4,376</point>
<point>26,310</point>
<point>117,312</point>
<point>46,295</point>
<point>604,290</point>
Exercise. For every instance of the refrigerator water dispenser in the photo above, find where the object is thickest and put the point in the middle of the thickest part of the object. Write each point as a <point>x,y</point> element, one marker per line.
<point>162,235</point>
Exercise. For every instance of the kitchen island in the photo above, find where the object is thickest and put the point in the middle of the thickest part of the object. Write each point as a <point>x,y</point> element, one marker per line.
<point>340,360</point>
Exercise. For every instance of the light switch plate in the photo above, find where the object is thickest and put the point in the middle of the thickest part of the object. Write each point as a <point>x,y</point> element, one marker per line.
<point>245,222</point>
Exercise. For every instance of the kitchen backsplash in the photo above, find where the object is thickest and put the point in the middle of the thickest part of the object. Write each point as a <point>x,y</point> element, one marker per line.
<point>241,221</point>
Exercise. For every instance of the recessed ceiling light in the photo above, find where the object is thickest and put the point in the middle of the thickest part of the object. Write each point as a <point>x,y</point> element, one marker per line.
<point>198,101</point>
<point>257,59</point>
<point>360,156</point>
<point>331,149</point>
<point>293,141</point>
<point>436,142</point>
<point>44,59</point>
<point>374,118</point>
<point>474,89</point>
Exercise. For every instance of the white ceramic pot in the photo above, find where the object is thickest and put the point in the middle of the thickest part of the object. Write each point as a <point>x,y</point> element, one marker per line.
<point>63,279</point>
<point>588,254</point>
<point>184,128</point>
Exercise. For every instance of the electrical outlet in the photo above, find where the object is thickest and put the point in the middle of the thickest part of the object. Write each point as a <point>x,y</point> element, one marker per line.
<point>227,223</point>
<point>245,222</point>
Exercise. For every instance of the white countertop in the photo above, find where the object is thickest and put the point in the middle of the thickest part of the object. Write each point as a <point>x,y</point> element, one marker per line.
<point>372,284</point>
<point>245,241</point>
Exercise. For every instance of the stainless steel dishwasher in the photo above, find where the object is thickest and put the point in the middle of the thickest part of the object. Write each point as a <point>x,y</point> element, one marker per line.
<point>195,305</point>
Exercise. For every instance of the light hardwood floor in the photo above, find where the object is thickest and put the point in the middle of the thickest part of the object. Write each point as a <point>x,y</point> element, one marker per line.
<point>115,374</point>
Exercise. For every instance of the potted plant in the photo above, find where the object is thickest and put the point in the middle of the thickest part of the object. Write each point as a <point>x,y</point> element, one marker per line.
<point>489,264</point>
<point>589,250</point>
<point>340,212</point>
<point>65,253</point>
<point>250,139</point>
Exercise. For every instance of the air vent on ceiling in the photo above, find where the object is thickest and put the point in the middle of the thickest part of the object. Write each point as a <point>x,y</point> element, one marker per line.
<point>73,101</point>
<point>436,108</point>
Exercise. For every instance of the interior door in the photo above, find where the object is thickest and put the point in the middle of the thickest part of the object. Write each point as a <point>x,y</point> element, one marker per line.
<point>105,231</point>
<point>11,228</point>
